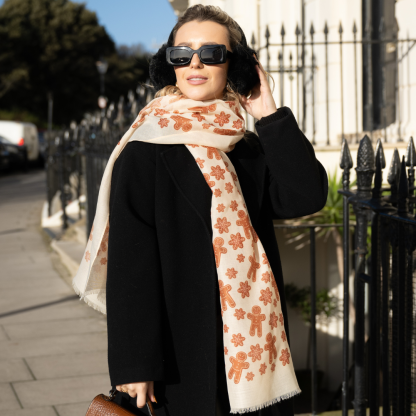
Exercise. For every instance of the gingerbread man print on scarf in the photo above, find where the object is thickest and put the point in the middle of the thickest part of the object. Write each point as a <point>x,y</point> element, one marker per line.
<point>218,250</point>
<point>238,365</point>
<point>211,152</point>
<point>270,346</point>
<point>256,320</point>
<point>225,296</point>
<point>253,268</point>
<point>244,221</point>
<point>182,123</point>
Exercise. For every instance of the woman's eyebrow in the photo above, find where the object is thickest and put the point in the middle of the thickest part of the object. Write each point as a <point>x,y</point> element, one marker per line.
<point>204,43</point>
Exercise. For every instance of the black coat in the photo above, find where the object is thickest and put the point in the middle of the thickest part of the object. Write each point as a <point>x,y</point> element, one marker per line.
<point>162,284</point>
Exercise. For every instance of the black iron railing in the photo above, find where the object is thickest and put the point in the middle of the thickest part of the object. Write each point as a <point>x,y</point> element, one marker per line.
<point>77,156</point>
<point>379,57</point>
<point>384,340</point>
<point>313,299</point>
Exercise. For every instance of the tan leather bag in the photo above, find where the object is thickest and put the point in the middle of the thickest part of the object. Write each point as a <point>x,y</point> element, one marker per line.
<point>103,405</point>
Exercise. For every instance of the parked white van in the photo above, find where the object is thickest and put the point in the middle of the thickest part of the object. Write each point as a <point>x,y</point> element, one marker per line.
<point>20,134</point>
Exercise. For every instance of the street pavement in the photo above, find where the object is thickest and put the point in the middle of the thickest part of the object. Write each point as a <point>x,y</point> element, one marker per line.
<point>53,347</point>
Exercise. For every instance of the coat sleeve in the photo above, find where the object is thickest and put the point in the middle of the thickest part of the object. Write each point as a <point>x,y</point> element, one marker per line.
<point>134,291</point>
<point>297,182</point>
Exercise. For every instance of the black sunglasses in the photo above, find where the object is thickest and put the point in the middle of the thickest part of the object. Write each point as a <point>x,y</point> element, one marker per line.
<point>207,54</point>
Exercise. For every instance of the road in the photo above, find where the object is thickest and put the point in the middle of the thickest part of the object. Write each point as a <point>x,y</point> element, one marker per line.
<point>53,347</point>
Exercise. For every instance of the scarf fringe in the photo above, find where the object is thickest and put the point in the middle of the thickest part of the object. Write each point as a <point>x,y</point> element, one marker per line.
<point>268,403</point>
<point>87,301</point>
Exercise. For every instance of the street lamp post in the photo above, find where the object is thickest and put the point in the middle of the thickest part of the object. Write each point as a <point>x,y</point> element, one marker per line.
<point>102,66</point>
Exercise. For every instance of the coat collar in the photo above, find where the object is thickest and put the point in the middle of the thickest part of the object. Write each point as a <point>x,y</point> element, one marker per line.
<point>190,182</point>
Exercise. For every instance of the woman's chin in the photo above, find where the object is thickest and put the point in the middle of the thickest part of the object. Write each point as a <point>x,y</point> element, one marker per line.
<point>196,95</point>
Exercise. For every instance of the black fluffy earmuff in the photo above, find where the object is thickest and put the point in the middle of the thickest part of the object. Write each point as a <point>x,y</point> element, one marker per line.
<point>242,75</point>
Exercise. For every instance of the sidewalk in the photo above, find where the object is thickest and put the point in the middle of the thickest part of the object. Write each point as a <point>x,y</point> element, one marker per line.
<point>53,347</point>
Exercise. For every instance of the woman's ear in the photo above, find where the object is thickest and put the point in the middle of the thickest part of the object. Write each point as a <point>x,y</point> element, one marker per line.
<point>160,72</point>
<point>242,73</point>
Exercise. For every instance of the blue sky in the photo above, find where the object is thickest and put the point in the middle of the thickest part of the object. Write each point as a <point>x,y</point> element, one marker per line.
<point>134,21</point>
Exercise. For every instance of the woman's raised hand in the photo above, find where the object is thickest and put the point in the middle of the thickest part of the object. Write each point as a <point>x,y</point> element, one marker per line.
<point>261,102</point>
<point>139,390</point>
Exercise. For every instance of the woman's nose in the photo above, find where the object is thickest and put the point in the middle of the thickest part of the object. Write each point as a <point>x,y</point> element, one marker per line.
<point>195,61</point>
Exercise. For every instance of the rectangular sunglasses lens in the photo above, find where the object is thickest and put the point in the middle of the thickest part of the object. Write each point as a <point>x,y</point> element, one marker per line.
<point>211,55</point>
<point>180,56</point>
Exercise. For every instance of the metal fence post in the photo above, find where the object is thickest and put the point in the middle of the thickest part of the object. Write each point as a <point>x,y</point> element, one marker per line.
<point>365,172</point>
<point>346,164</point>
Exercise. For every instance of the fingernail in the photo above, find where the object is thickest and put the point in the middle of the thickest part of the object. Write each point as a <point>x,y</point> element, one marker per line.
<point>154,397</point>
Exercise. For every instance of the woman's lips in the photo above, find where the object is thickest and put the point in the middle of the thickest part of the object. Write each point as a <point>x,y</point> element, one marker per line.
<point>197,81</point>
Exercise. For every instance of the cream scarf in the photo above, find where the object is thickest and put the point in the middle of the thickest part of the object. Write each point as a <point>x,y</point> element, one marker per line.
<point>257,356</point>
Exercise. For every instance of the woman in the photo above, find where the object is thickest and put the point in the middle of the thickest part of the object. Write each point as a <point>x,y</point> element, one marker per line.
<point>190,253</point>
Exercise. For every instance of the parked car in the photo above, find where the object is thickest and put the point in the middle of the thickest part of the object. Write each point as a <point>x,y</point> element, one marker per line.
<point>42,147</point>
<point>21,134</point>
<point>12,155</point>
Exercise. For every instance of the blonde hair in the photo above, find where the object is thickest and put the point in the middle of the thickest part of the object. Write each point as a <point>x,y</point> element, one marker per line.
<point>202,13</point>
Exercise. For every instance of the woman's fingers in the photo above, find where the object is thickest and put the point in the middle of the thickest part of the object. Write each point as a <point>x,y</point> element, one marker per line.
<point>151,391</point>
<point>141,390</point>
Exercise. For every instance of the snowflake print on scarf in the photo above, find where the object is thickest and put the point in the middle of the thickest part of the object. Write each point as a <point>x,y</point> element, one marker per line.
<point>221,207</point>
<point>163,122</point>
<point>255,352</point>
<point>236,241</point>
<point>233,205</point>
<point>266,296</point>
<point>266,277</point>
<point>217,172</point>
<point>240,258</point>
<point>250,376</point>
<point>244,289</point>
<point>222,118</point>
<point>222,225</point>
<point>284,358</point>
<point>237,340</point>
<point>239,314</point>
<point>229,187</point>
<point>231,273</point>
<point>237,124</point>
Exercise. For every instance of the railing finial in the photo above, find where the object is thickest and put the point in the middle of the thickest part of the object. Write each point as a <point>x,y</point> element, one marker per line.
<point>379,154</point>
<point>312,30</point>
<point>253,41</point>
<point>394,169</point>
<point>411,154</point>
<point>345,161</point>
<point>380,165</point>
<point>403,190</point>
<point>365,168</point>
<point>354,28</point>
<point>326,31</point>
<point>365,155</point>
